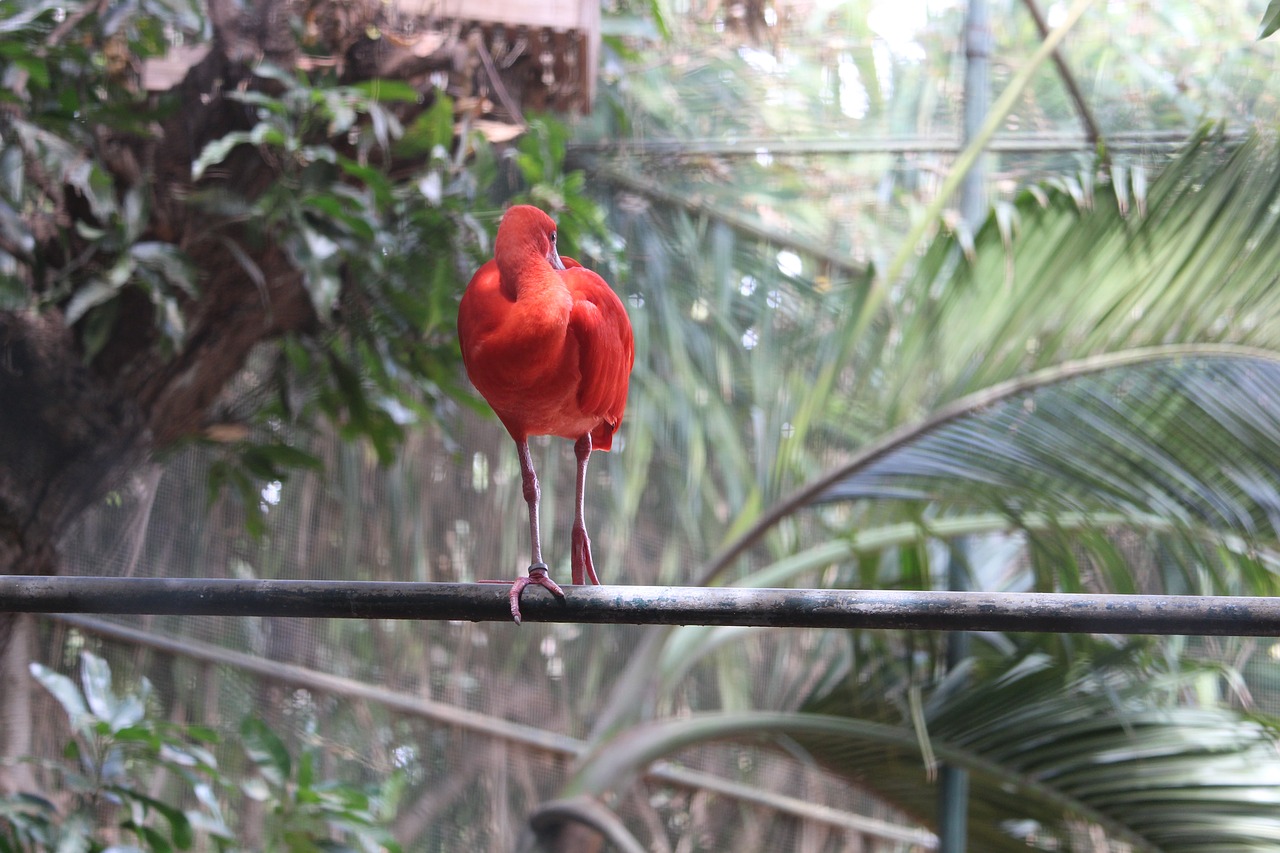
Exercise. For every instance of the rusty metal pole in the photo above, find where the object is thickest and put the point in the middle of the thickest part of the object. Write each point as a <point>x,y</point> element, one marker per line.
<point>953,782</point>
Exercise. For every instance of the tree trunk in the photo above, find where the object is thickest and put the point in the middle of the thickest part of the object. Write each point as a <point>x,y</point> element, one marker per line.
<point>17,632</point>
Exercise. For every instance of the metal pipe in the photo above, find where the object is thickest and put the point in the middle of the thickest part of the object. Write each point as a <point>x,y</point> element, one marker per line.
<point>978,41</point>
<point>653,605</point>
<point>1030,143</point>
<point>953,781</point>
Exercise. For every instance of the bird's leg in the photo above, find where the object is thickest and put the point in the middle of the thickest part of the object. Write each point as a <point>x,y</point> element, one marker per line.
<point>537,569</point>
<point>532,497</point>
<point>581,558</point>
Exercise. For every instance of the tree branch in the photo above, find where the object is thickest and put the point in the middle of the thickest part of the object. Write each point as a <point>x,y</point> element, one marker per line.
<point>1091,129</point>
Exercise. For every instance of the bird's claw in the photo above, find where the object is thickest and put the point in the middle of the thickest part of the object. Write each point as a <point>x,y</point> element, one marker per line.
<point>584,570</point>
<point>537,575</point>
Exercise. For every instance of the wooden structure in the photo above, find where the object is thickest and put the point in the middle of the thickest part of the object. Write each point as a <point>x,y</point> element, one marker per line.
<point>545,53</point>
<point>496,58</point>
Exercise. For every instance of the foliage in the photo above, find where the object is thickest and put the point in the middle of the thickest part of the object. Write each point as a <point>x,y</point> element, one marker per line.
<point>118,750</point>
<point>838,124</point>
<point>59,91</point>
<point>964,328</point>
<point>1079,396</point>
<point>1045,742</point>
<point>389,257</point>
<point>1045,412</point>
<point>380,211</point>
<point>305,809</point>
<point>1270,20</point>
<point>113,750</point>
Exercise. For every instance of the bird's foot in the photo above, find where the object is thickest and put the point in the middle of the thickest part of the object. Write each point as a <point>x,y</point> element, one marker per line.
<point>538,576</point>
<point>584,569</point>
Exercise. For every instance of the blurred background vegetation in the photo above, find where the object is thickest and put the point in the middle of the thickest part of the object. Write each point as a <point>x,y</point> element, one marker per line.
<point>835,386</point>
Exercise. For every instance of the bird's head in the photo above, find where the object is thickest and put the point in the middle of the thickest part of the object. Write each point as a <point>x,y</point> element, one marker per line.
<point>527,230</point>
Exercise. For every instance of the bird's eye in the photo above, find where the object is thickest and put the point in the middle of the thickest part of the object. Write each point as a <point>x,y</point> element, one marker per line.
<point>553,238</point>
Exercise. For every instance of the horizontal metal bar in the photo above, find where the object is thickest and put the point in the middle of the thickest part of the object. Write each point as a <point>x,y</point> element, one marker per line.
<point>653,605</point>
<point>698,203</point>
<point>1022,142</point>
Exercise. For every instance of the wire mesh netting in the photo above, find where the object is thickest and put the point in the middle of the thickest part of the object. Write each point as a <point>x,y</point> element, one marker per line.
<point>483,720</point>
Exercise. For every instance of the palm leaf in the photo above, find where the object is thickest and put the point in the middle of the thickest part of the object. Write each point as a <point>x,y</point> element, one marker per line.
<point>1081,472</point>
<point>1043,747</point>
<point>1187,438</point>
<point>1139,463</point>
<point>1175,441</point>
<point>1198,269</point>
<point>1095,405</point>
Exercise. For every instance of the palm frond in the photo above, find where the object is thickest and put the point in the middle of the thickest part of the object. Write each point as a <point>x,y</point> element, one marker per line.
<point>1075,284</point>
<point>1175,442</point>
<point>1198,267</point>
<point>1044,747</point>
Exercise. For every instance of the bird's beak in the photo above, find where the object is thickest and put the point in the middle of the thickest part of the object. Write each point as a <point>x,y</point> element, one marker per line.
<point>553,258</point>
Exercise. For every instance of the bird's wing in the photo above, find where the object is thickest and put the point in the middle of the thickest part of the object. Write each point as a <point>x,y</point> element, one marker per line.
<point>474,310</point>
<point>606,349</point>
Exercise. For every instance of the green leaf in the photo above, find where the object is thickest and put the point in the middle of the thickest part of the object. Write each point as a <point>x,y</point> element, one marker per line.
<point>395,91</point>
<point>170,320</point>
<point>37,70</point>
<point>223,474</point>
<point>372,178</point>
<point>309,153</point>
<point>338,209</point>
<point>129,711</point>
<point>273,461</point>
<point>306,772</point>
<point>316,254</point>
<point>95,679</point>
<point>169,261</point>
<point>342,116</point>
<point>269,104</point>
<point>23,19</point>
<point>155,841</point>
<point>1106,434</point>
<point>1080,283</point>
<point>216,150</point>
<point>256,789</point>
<point>1103,741</point>
<point>68,695</point>
<point>180,829</point>
<point>266,750</point>
<point>203,734</point>
<point>1111,752</point>
<point>432,129</point>
<point>1270,20</point>
<point>95,184</point>
<point>271,71</point>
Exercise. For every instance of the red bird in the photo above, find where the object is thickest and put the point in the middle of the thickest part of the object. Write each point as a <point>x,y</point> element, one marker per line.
<point>548,344</point>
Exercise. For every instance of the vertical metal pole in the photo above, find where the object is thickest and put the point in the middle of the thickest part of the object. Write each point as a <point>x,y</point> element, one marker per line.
<point>953,782</point>
<point>977,102</point>
<point>953,788</point>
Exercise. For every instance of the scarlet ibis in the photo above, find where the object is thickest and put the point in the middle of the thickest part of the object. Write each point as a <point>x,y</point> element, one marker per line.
<point>548,344</point>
